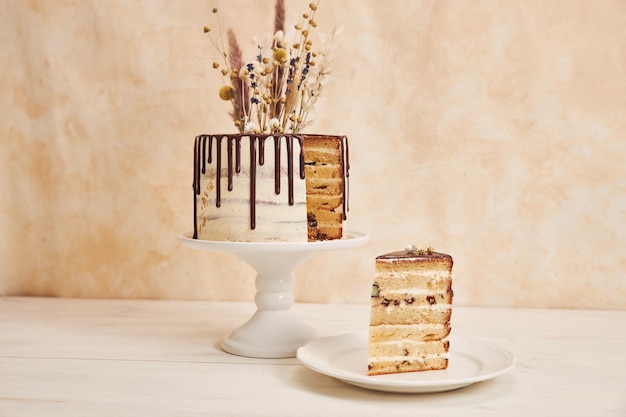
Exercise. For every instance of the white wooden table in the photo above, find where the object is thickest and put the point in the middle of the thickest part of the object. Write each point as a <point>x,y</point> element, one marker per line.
<point>67,357</point>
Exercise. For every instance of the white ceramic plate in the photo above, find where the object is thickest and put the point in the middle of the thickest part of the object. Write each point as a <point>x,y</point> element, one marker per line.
<point>345,358</point>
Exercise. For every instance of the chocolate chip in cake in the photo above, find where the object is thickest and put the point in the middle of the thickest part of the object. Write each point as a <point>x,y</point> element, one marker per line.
<point>375,290</point>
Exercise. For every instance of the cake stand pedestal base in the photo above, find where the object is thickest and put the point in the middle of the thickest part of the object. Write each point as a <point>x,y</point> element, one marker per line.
<point>274,331</point>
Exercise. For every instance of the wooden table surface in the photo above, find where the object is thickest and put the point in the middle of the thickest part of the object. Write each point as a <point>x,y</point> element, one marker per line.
<point>73,357</point>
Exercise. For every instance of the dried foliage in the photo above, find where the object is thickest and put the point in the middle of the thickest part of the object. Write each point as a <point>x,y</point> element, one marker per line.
<point>276,92</point>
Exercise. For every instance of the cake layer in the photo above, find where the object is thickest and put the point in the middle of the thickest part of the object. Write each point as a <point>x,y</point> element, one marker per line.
<point>409,315</point>
<point>324,186</point>
<point>389,366</point>
<point>323,171</point>
<point>412,299</point>
<point>409,332</point>
<point>414,263</point>
<point>407,349</point>
<point>400,281</point>
<point>321,202</point>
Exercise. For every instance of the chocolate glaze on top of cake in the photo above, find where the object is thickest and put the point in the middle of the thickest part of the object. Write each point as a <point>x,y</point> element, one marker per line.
<point>413,255</point>
<point>203,153</point>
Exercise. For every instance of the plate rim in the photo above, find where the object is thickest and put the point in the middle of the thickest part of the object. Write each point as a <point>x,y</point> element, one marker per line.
<point>303,355</point>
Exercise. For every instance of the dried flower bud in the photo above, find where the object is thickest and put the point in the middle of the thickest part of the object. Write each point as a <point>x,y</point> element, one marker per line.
<point>226,93</point>
<point>248,127</point>
<point>224,71</point>
<point>312,6</point>
<point>313,23</point>
<point>280,55</point>
<point>207,29</point>
<point>216,64</point>
<point>305,15</point>
<point>298,27</point>
<point>214,10</point>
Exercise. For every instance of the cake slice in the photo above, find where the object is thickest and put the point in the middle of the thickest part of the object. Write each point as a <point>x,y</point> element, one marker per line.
<point>410,312</point>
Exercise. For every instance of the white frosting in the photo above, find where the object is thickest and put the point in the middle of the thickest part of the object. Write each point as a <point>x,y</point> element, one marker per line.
<point>276,220</point>
<point>438,275</point>
<point>408,342</point>
<point>404,358</point>
<point>413,291</point>
<point>419,326</point>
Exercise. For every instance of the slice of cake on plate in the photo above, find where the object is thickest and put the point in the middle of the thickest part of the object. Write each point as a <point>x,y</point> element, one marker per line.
<point>410,312</point>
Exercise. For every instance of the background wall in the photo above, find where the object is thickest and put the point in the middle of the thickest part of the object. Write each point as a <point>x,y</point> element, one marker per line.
<point>492,130</point>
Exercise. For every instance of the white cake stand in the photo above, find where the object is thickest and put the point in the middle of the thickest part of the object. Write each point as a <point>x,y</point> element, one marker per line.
<point>274,331</point>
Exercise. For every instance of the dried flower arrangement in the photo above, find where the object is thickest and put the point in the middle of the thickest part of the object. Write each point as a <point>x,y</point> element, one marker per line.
<point>277,91</point>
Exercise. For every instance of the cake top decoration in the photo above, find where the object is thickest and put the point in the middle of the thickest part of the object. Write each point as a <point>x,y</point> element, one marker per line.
<point>412,249</point>
<point>276,91</point>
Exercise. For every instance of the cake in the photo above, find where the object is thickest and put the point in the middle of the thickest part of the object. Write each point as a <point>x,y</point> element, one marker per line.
<point>288,188</point>
<point>410,312</point>
<point>269,182</point>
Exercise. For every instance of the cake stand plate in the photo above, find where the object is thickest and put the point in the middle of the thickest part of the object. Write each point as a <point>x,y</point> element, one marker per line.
<point>274,331</point>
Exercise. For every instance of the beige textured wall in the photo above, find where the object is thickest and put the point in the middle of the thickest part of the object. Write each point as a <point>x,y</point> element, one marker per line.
<point>492,130</point>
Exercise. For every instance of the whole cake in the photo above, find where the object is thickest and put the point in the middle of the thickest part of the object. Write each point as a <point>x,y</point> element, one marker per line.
<point>289,188</point>
<point>410,312</point>
<point>269,181</point>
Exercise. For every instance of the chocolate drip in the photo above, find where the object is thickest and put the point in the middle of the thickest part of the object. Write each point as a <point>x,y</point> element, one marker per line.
<point>203,154</point>
<point>238,155</point>
<point>253,182</point>
<point>218,182</point>
<point>229,153</point>
<point>345,151</point>
<point>277,164</point>
<point>262,150</point>
<point>290,169</point>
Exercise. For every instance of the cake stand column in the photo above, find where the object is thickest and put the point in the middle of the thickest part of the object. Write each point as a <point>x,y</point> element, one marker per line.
<point>274,331</point>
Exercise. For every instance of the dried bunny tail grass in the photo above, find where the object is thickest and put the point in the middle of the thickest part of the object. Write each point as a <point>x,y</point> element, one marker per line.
<point>241,105</point>
<point>279,73</point>
<point>279,17</point>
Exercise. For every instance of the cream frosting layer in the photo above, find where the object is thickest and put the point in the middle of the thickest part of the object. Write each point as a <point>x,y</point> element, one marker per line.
<point>400,358</point>
<point>275,218</point>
